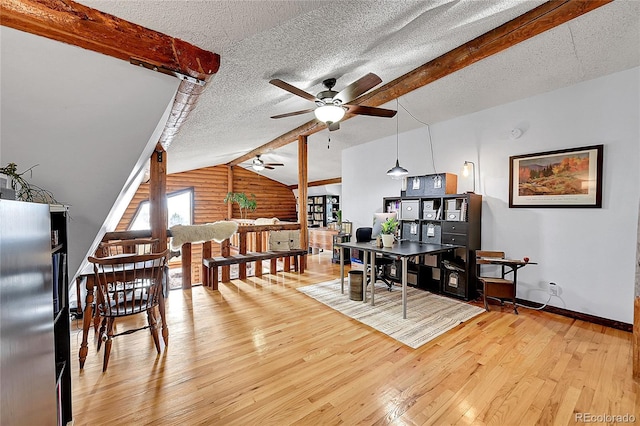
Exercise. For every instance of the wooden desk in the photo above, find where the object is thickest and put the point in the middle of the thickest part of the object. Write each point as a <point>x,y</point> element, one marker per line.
<point>322,238</point>
<point>501,290</point>
<point>403,250</point>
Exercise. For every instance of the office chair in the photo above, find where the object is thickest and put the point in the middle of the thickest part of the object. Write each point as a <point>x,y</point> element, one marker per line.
<point>364,235</point>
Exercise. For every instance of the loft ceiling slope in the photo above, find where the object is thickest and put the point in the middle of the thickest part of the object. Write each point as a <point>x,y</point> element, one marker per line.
<point>536,21</point>
<point>73,23</point>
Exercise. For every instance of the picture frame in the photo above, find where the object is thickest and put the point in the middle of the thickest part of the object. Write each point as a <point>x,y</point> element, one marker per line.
<point>557,179</point>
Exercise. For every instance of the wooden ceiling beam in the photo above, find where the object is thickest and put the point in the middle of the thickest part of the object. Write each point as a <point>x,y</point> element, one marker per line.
<point>534,22</point>
<point>332,181</point>
<point>79,25</point>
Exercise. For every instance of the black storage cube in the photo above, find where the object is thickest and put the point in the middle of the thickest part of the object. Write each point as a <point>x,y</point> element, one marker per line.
<point>394,270</point>
<point>436,184</point>
<point>427,281</point>
<point>431,233</point>
<point>407,227</point>
<point>455,283</point>
<point>409,209</point>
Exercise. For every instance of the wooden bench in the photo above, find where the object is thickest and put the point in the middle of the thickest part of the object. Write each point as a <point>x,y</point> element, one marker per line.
<point>211,264</point>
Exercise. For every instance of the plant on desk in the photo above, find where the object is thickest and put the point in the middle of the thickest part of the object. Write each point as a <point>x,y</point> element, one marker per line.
<point>388,230</point>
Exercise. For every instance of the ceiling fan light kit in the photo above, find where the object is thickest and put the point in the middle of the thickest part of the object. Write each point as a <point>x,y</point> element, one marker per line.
<point>329,113</point>
<point>331,105</point>
<point>259,165</point>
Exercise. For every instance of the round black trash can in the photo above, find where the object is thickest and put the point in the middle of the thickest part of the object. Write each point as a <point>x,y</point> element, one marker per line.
<point>355,285</point>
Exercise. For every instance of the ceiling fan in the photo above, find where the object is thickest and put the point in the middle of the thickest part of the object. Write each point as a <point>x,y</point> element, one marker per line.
<point>331,106</point>
<point>258,164</point>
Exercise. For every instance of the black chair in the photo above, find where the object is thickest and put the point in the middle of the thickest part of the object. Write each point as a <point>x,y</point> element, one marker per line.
<point>364,235</point>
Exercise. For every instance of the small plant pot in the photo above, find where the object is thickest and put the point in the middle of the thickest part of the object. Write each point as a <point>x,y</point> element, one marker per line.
<point>387,240</point>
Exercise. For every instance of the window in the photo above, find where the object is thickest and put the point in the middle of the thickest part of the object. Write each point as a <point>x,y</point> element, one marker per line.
<point>179,204</point>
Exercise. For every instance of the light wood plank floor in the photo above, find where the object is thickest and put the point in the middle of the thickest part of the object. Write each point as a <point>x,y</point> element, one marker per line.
<point>258,352</point>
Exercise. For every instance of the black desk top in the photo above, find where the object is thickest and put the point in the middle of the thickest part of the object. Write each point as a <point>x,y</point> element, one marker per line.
<point>402,248</point>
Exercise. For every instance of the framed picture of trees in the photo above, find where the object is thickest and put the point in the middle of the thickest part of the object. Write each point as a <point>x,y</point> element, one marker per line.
<point>563,178</point>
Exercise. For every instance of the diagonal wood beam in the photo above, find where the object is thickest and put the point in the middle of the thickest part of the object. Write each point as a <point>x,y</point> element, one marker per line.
<point>534,22</point>
<point>79,25</point>
<point>183,104</point>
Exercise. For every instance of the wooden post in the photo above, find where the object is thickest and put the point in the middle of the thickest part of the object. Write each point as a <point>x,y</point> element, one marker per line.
<point>229,189</point>
<point>258,263</point>
<point>303,181</point>
<point>158,214</point>
<point>242,249</point>
<point>186,266</point>
<point>206,254</point>
<point>225,251</point>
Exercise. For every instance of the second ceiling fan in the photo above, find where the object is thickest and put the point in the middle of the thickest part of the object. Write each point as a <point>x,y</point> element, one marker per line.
<point>331,106</point>
<point>258,164</point>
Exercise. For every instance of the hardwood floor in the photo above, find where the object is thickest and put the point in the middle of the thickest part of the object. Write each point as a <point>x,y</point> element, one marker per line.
<point>258,352</point>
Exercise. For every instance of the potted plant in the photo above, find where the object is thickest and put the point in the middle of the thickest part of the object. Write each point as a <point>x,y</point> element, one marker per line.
<point>245,203</point>
<point>26,191</point>
<point>388,231</point>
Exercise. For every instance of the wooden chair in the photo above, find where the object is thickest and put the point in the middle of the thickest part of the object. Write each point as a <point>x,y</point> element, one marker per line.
<point>133,246</point>
<point>500,287</point>
<point>128,284</point>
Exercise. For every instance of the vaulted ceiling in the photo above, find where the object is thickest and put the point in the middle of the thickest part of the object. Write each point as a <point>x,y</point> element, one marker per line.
<point>304,42</point>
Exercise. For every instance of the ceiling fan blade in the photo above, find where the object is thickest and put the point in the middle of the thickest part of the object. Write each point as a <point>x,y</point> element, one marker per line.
<point>292,89</point>
<point>358,87</point>
<point>334,126</point>
<point>273,164</point>
<point>367,110</point>
<point>291,114</point>
<point>266,166</point>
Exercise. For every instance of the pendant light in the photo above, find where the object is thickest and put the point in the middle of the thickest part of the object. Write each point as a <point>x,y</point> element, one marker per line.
<point>397,171</point>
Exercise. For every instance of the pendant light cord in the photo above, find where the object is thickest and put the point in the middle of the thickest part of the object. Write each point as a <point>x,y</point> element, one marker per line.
<point>397,133</point>
<point>433,161</point>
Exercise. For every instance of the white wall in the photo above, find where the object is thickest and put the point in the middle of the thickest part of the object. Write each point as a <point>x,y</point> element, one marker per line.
<point>90,124</point>
<point>589,253</point>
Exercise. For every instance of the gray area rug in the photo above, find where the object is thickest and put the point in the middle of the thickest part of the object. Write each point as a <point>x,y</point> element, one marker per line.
<point>428,315</point>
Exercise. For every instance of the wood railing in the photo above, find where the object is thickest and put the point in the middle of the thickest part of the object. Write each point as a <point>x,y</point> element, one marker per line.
<point>249,237</point>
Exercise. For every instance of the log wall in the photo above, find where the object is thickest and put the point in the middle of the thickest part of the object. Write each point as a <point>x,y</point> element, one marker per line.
<point>210,187</point>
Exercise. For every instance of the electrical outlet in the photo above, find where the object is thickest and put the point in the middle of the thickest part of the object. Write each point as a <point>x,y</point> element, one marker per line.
<point>553,289</point>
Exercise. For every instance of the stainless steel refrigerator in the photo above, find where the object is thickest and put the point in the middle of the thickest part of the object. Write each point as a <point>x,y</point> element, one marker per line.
<point>27,367</point>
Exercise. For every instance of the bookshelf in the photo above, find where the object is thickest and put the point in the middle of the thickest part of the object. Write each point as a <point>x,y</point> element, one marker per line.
<point>59,215</point>
<point>442,219</point>
<point>322,209</point>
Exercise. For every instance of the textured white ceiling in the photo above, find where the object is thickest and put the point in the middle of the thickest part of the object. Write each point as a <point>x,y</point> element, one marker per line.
<point>304,42</point>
